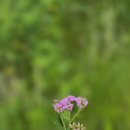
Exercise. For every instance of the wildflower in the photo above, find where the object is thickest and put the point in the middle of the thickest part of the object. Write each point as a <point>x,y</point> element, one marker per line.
<point>72,98</point>
<point>77,126</point>
<point>81,102</point>
<point>58,107</point>
<point>67,103</point>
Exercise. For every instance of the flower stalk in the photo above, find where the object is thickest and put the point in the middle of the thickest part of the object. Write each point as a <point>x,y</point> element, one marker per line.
<point>63,122</point>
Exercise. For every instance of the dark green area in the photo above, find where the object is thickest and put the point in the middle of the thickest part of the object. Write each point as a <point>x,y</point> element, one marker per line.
<point>54,48</point>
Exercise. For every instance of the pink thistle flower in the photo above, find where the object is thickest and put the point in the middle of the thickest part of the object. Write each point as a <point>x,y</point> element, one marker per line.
<point>66,103</point>
<point>71,98</point>
<point>81,102</point>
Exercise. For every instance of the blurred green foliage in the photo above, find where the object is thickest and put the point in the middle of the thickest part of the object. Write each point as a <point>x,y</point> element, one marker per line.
<point>53,48</point>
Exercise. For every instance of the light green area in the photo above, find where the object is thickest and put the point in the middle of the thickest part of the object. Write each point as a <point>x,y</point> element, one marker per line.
<point>54,48</point>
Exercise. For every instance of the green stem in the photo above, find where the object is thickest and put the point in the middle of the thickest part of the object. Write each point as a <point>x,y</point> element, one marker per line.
<point>65,117</point>
<point>63,122</point>
<point>69,121</point>
<point>69,116</point>
<point>75,115</point>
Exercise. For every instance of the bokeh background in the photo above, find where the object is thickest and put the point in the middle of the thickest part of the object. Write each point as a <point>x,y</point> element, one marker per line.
<point>50,49</point>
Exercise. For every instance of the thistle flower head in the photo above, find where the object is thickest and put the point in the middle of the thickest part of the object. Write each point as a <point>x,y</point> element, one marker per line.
<point>67,103</point>
<point>81,102</point>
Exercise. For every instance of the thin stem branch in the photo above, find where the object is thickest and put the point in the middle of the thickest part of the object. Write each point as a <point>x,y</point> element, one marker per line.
<point>69,121</point>
<point>75,115</point>
<point>65,117</point>
<point>63,122</point>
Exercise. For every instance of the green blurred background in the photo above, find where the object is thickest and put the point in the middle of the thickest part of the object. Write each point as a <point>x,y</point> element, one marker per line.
<point>50,49</point>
